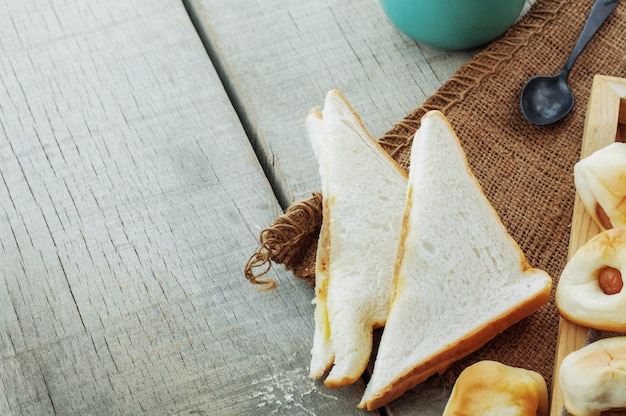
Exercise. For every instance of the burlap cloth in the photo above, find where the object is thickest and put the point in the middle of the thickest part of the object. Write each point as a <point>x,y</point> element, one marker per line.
<point>525,170</point>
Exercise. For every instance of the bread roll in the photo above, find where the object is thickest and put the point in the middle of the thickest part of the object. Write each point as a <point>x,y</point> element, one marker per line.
<point>589,291</point>
<point>593,379</point>
<point>600,180</point>
<point>489,388</point>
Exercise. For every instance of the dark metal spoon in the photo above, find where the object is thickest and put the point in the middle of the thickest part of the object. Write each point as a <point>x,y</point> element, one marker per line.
<point>547,99</point>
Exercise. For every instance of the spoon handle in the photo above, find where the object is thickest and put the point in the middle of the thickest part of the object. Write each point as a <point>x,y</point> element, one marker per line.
<point>599,12</point>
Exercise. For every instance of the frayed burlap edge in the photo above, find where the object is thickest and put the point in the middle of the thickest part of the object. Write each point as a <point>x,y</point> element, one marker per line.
<point>290,240</point>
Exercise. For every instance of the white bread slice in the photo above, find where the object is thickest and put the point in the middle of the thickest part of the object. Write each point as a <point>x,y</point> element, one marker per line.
<point>490,388</point>
<point>460,279</point>
<point>363,192</point>
<point>600,180</point>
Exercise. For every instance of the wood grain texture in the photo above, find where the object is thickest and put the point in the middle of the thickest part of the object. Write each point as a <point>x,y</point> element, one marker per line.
<point>130,199</point>
<point>602,123</point>
<point>279,58</point>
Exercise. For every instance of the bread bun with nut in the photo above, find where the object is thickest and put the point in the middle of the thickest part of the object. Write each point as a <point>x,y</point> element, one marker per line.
<point>589,291</point>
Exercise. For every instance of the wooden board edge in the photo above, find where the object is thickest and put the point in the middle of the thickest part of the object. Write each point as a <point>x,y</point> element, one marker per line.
<point>604,114</point>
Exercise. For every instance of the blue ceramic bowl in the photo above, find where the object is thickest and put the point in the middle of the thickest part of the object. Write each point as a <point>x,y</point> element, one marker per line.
<point>453,24</point>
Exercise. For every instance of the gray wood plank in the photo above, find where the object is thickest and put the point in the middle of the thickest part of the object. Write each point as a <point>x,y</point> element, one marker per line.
<point>280,58</point>
<point>130,199</point>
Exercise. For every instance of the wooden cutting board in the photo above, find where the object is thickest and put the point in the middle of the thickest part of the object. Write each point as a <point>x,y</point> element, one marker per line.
<point>605,123</point>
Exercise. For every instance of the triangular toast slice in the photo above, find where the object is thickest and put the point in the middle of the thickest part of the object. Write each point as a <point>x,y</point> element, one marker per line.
<point>363,192</point>
<point>460,279</point>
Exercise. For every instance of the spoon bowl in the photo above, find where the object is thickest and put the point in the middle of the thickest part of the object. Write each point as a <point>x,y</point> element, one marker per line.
<point>547,99</point>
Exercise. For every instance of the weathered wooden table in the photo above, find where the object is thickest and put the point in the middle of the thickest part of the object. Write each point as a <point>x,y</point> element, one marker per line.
<point>143,146</point>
